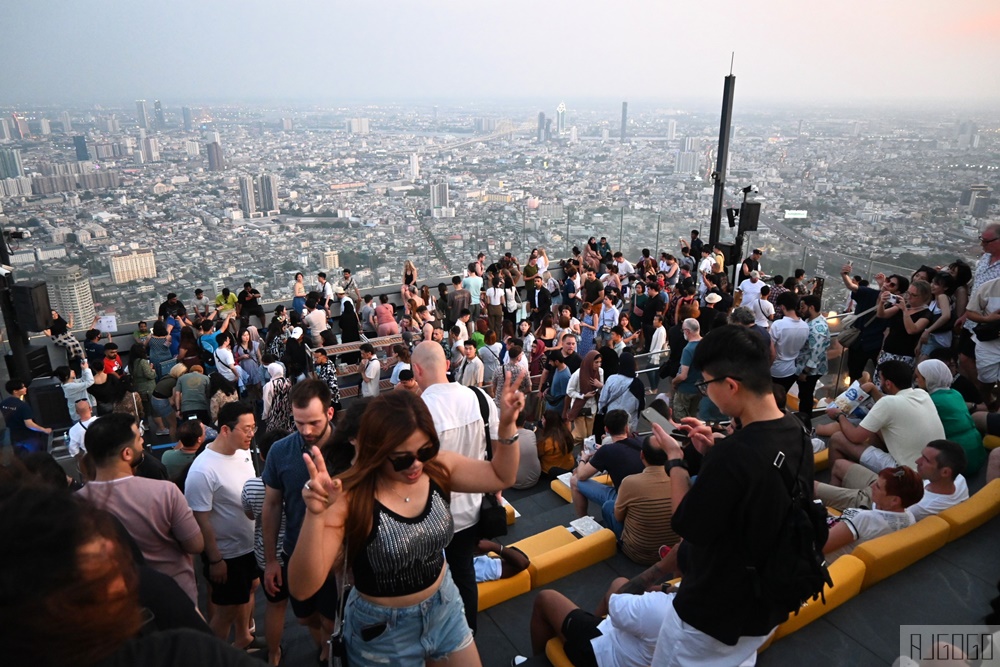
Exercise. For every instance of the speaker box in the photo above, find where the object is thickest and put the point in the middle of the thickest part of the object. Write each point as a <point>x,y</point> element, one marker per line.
<point>732,253</point>
<point>749,216</point>
<point>38,362</point>
<point>31,305</point>
<point>48,403</point>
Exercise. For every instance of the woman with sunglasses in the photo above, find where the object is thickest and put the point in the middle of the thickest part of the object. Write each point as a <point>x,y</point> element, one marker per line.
<point>389,517</point>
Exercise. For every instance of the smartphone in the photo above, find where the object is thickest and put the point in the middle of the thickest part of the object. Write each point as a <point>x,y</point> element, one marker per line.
<point>654,417</point>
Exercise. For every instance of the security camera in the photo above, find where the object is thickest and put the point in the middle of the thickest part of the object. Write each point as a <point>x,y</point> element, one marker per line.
<point>754,189</point>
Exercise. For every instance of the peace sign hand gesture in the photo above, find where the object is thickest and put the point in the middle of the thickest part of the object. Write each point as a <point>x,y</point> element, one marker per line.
<point>320,492</point>
<point>511,397</point>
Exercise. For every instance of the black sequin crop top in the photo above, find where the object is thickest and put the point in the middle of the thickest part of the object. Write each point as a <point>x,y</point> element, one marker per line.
<point>404,556</point>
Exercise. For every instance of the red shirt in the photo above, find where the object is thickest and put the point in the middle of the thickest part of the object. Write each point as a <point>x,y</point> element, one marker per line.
<point>113,365</point>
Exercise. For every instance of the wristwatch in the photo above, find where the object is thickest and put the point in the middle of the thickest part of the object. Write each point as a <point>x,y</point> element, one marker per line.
<point>676,463</point>
<point>509,441</point>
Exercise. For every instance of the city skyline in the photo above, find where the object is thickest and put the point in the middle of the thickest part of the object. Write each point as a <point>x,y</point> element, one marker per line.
<point>578,51</point>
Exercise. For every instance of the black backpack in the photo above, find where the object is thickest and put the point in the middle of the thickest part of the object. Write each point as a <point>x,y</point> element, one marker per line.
<point>794,569</point>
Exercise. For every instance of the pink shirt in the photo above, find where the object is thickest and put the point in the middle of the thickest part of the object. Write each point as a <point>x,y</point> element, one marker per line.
<point>384,313</point>
<point>158,518</point>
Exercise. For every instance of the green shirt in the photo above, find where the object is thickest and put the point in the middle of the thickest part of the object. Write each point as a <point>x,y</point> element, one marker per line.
<point>959,427</point>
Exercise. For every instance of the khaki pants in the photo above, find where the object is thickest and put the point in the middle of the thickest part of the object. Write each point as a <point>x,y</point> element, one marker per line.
<point>686,405</point>
<point>583,427</point>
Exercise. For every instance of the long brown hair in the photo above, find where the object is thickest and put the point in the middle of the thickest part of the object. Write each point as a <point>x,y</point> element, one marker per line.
<point>55,614</point>
<point>389,420</point>
<point>556,430</point>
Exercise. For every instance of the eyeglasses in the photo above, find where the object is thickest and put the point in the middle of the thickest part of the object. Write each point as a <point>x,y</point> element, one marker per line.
<point>703,386</point>
<point>401,462</point>
<point>236,427</point>
<point>984,241</point>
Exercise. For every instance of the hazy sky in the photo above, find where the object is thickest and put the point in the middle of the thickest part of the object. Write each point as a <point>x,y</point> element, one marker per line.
<point>472,50</point>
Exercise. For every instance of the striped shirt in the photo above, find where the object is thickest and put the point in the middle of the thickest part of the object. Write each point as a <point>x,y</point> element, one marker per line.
<point>646,502</point>
<point>253,502</point>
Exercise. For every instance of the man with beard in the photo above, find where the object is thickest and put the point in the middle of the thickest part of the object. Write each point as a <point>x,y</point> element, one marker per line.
<point>167,536</point>
<point>285,474</point>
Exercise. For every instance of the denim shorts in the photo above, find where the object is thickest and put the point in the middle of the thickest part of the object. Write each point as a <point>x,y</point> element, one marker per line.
<point>433,629</point>
<point>161,407</point>
<point>598,492</point>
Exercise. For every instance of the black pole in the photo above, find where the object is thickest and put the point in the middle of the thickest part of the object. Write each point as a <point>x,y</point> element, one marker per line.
<point>719,175</point>
<point>16,337</point>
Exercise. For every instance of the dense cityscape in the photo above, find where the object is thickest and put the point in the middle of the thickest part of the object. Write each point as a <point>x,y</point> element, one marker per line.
<point>152,197</point>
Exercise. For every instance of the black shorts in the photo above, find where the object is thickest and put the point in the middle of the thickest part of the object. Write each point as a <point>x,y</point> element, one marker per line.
<point>579,627</point>
<point>324,601</point>
<point>966,345</point>
<point>282,593</point>
<point>247,311</point>
<point>240,575</point>
<point>993,423</point>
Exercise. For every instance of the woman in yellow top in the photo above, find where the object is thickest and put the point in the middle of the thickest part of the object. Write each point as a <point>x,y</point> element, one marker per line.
<point>555,445</point>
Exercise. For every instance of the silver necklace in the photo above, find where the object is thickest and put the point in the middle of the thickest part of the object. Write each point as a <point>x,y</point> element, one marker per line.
<point>405,499</point>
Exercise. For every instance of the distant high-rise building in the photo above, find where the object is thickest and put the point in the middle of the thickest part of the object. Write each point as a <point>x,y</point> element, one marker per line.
<point>21,130</point>
<point>10,163</point>
<point>330,260</point>
<point>481,125</point>
<point>687,163</point>
<point>209,136</point>
<point>188,118</point>
<point>561,118</point>
<point>358,126</point>
<point>540,138</point>
<point>624,121</point>
<point>692,144</point>
<point>69,293</point>
<point>67,124</point>
<point>4,130</point>
<point>574,137</point>
<point>151,149</point>
<point>267,193</point>
<point>286,124</point>
<point>439,195</point>
<point>80,143</point>
<point>980,205</point>
<point>161,121</point>
<point>605,134</point>
<point>112,125</point>
<point>435,115</point>
<point>142,114</point>
<point>967,195</point>
<point>191,148</point>
<point>248,202</point>
<point>138,265</point>
<point>44,127</point>
<point>216,162</point>
<point>671,130</point>
<point>414,167</point>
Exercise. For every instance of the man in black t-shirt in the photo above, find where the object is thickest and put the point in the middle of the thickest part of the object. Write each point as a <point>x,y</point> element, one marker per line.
<point>750,264</point>
<point>729,519</point>
<point>172,307</point>
<point>593,289</point>
<point>248,303</point>
<point>25,435</point>
<point>619,458</point>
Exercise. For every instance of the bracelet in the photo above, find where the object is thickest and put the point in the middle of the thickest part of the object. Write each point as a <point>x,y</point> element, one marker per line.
<point>501,550</point>
<point>676,463</point>
<point>509,441</point>
<point>216,562</point>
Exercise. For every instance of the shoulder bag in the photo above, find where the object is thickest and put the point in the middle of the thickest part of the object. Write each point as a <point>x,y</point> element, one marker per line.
<point>492,515</point>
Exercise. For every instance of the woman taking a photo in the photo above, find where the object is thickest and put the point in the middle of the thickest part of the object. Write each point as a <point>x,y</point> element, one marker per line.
<point>299,298</point>
<point>388,519</point>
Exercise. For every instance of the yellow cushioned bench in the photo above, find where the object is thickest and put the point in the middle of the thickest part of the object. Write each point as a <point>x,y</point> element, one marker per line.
<point>821,460</point>
<point>885,556</point>
<point>847,573</point>
<point>563,491</point>
<point>556,654</point>
<point>494,592</point>
<point>974,512</point>
<point>556,553</point>
<point>991,441</point>
<point>511,518</point>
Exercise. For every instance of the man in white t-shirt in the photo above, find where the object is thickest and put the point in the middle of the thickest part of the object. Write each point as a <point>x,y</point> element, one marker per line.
<point>224,360</point>
<point>371,371</point>
<point>893,433</point>
<point>625,637</point>
<point>940,465</point>
<point>750,288</point>
<point>202,304</point>
<point>214,489</point>
<point>85,414</point>
<point>705,269</point>
<point>893,491</point>
<point>762,309</point>
<point>788,336</point>
<point>459,423</point>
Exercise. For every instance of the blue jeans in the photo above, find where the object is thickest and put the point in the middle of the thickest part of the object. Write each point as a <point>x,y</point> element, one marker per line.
<point>605,496</point>
<point>406,636</point>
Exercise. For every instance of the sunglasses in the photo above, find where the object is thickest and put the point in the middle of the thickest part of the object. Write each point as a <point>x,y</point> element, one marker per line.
<point>401,462</point>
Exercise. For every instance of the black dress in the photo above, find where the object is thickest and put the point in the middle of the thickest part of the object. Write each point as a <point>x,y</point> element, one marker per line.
<point>350,331</point>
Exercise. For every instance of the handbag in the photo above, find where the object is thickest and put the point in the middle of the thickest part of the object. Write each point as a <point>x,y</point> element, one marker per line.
<point>492,515</point>
<point>337,643</point>
<point>987,331</point>
<point>850,333</point>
